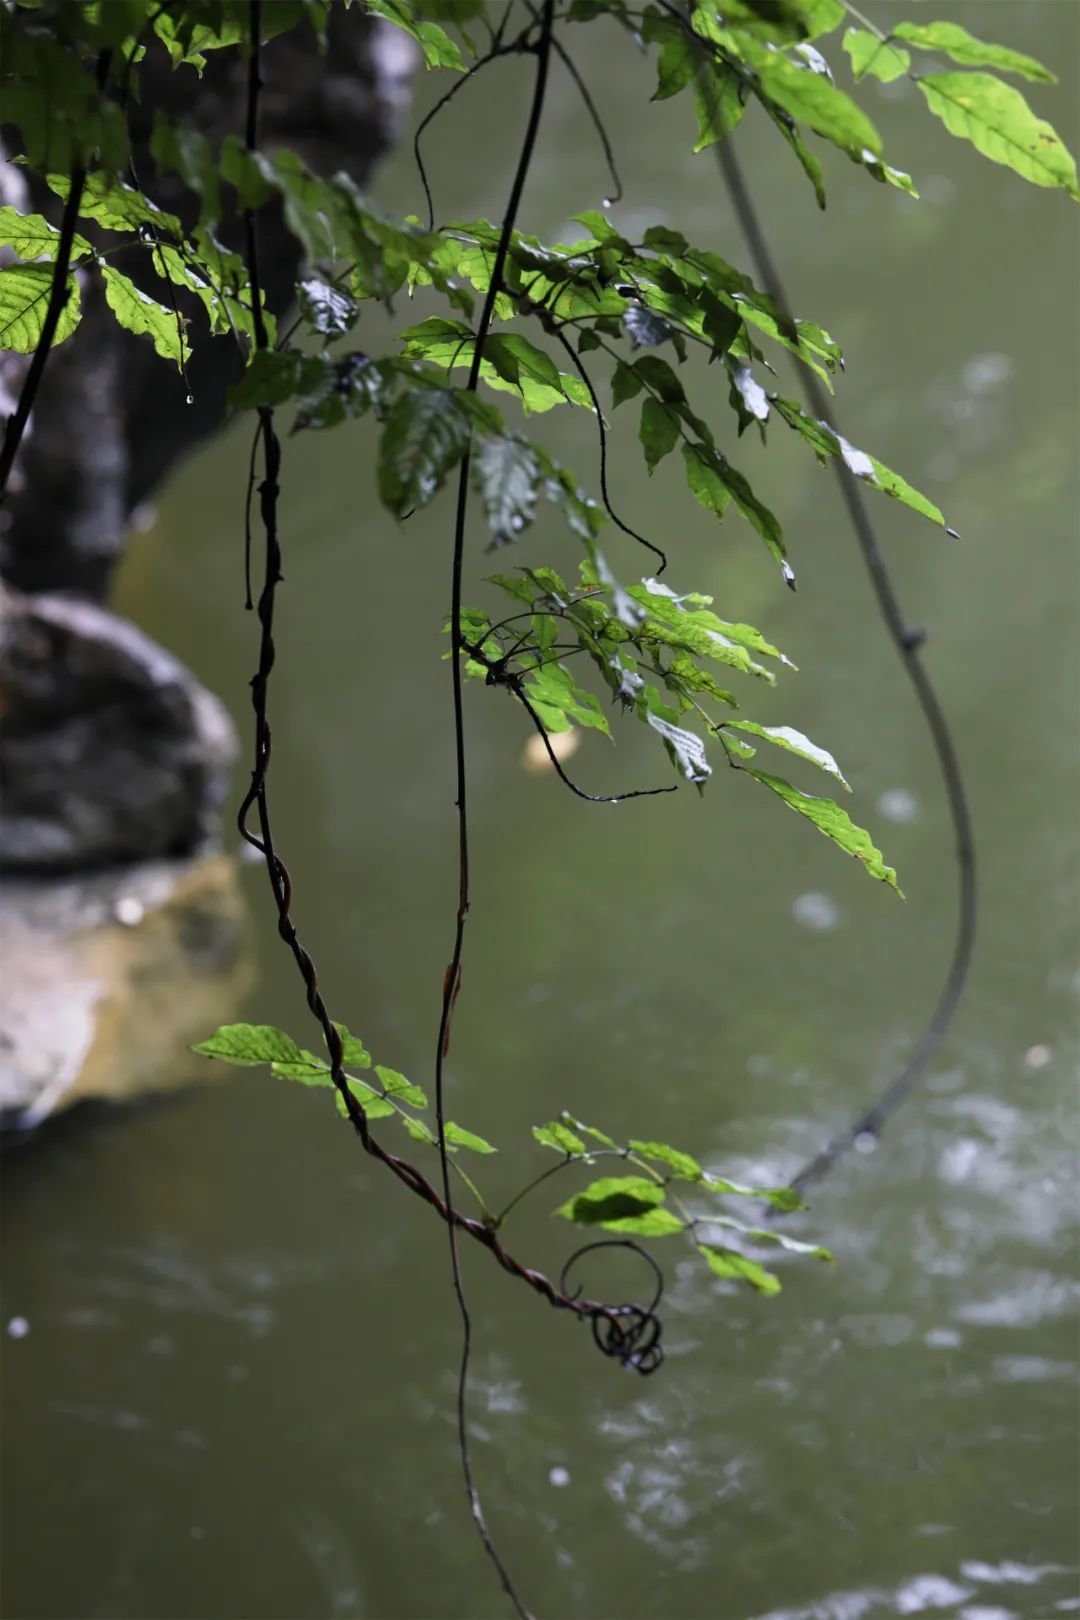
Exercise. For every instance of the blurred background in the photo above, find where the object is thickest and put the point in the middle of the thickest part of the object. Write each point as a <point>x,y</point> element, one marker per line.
<point>231,1344</point>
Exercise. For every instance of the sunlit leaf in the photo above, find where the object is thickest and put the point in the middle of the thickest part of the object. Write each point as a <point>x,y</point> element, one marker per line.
<point>729,1263</point>
<point>794,742</point>
<point>507,474</point>
<point>25,290</point>
<point>612,1198</point>
<point>962,47</point>
<point>458,1136</point>
<point>252,1043</point>
<point>835,823</point>
<point>875,56</point>
<point>998,122</point>
<point>682,1164</point>
<point>30,236</point>
<point>144,315</point>
<point>560,1137</point>
<point>685,749</point>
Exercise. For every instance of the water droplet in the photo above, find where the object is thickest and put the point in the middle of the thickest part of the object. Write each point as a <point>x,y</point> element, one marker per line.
<point>129,911</point>
<point>18,1327</point>
<point>865,1142</point>
<point>559,1476</point>
<point>954,534</point>
<point>608,202</point>
<point>145,233</point>
<point>816,911</point>
<point>190,399</point>
<point>898,804</point>
<point>517,522</point>
<point>788,574</point>
<point>1037,1057</point>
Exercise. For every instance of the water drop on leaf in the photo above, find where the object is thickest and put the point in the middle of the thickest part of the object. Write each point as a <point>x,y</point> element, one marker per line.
<point>788,574</point>
<point>608,202</point>
<point>865,1142</point>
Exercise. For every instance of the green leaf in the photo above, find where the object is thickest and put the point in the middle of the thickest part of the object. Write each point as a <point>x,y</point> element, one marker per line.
<point>116,206</point>
<point>794,742</point>
<point>706,485</point>
<point>780,1197</point>
<point>683,1164</point>
<point>589,1130</point>
<point>658,1222</point>
<point>507,472</point>
<point>835,823</point>
<point>964,48</point>
<point>674,66</point>
<point>560,701</point>
<point>418,1130</point>
<point>998,122</point>
<point>426,434</point>
<point>625,383</point>
<point>354,1054</point>
<point>252,1043</point>
<point>24,301</point>
<point>659,431</point>
<point>458,1136</point>
<point>30,236</point>
<point>560,1137</point>
<point>374,1106</point>
<point>875,56</point>
<point>719,103</point>
<point>729,1263</point>
<point>810,98</point>
<point>309,1070</point>
<point>276,376</point>
<point>612,1198</point>
<point>144,316</point>
<point>827,442</point>
<point>395,1085</point>
<point>438,48</point>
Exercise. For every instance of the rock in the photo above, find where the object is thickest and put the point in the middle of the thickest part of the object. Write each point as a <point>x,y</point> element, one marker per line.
<point>110,750</point>
<point>109,979</point>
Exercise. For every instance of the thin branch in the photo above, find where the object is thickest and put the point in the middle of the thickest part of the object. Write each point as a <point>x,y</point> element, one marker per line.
<point>908,642</point>
<point>452,978</point>
<point>612,514</point>
<point>518,690</point>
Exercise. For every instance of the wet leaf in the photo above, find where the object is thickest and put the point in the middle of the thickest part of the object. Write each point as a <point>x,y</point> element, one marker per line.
<point>425,436</point>
<point>794,742</point>
<point>507,472</point>
<point>645,329</point>
<point>685,749</point>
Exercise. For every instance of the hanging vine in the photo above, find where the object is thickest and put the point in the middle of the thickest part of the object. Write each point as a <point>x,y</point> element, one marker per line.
<point>553,320</point>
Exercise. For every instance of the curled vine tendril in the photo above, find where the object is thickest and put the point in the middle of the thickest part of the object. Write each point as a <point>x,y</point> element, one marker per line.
<point>628,1334</point>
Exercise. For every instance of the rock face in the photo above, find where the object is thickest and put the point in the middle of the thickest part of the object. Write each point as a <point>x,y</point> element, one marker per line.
<point>110,750</point>
<point>108,979</point>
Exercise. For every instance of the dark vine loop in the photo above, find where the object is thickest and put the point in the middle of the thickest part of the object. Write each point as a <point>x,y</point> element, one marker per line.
<point>628,1334</point>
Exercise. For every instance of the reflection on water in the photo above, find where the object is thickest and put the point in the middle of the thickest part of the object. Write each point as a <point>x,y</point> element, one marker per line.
<point>236,1389</point>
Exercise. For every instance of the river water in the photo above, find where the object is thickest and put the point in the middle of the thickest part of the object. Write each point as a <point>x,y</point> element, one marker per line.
<point>236,1394</point>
